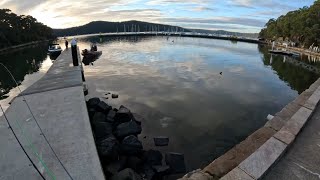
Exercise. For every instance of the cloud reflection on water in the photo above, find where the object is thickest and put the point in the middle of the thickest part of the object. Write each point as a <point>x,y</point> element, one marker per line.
<point>178,89</point>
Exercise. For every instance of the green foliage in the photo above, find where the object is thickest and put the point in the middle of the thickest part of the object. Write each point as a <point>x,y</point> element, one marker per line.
<point>301,26</point>
<point>16,29</point>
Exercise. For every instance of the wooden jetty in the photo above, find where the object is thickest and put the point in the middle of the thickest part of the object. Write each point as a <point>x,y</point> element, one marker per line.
<point>56,133</point>
<point>282,52</point>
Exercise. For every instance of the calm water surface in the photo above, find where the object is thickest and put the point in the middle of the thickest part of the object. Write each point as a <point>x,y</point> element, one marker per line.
<point>206,95</point>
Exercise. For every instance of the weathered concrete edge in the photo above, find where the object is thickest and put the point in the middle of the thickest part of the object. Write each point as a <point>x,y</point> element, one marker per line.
<point>286,136</point>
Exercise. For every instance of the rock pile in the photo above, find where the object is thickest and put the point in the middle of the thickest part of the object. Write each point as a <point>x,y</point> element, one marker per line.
<point>120,150</point>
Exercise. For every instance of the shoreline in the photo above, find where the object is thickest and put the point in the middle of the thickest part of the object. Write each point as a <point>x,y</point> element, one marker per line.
<point>20,46</point>
<point>299,50</point>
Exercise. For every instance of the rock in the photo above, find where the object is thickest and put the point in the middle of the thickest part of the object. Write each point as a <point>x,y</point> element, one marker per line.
<point>152,157</point>
<point>162,170</point>
<point>115,109</point>
<point>126,129</point>
<point>85,92</point>
<point>102,129</point>
<point>161,141</point>
<point>138,121</point>
<point>126,174</point>
<point>91,112</point>
<point>114,167</point>
<point>148,172</point>
<point>131,145</point>
<point>103,107</point>
<point>123,115</point>
<point>176,162</point>
<point>134,163</point>
<point>110,116</point>
<point>93,102</point>
<point>114,96</point>
<point>99,117</point>
<point>108,148</point>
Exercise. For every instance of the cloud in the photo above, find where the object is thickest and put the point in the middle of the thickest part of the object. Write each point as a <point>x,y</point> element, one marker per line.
<point>210,14</point>
<point>169,2</point>
<point>270,4</point>
<point>218,20</point>
<point>202,8</point>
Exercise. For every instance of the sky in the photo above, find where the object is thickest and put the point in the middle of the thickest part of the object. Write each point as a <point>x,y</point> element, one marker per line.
<point>232,15</point>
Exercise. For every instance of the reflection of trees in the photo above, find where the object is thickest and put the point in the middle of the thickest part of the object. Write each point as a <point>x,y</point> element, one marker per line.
<point>297,77</point>
<point>20,63</point>
<point>107,39</point>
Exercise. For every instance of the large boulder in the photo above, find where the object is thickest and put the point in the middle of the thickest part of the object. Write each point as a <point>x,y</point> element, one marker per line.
<point>110,116</point>
<point>176,162</point>
<point>134,163</point>
<point>102,130</point>
<point>99,117</point>
<point>126,129</point>
<point>103,107</point>
<point>123,115</point>
<point>152,157</point>
<point>131,145</point>
<point>161,141</point>
<point>126,174</point>
<point>114,167</point>
<point>93,102</point>
<point>91,112</point>
<point>108,148</point>
<point>148,172</point>
<point>161,170</point>
<point>137,118</point>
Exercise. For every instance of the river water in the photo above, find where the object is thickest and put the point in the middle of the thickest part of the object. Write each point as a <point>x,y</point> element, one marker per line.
<point>206,95</point>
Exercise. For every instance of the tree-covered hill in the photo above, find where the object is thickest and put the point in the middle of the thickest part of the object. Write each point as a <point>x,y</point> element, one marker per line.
<point>301,26</point>
<point>107,27</point>
<point>16,29</point>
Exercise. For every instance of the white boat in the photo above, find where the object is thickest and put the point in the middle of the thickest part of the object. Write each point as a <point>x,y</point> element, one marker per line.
<point>54,48</point>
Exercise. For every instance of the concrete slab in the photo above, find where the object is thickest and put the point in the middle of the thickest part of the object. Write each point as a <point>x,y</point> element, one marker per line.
<point>63,117</point>
<point>303,157</point>
<point>301,116</point>
<point>58,104</point>
<point>275,123</point>
<point>62,74</point>
<point>236,174</point>
<point>285,136</point>
<point>313,100</point>
<point>225,163</point>
<point>261,160</point>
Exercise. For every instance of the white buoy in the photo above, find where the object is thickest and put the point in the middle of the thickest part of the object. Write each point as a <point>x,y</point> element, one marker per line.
<point>269,117</point>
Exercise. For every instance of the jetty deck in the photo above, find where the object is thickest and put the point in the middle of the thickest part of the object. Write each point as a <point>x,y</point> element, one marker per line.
<point>58,105</point>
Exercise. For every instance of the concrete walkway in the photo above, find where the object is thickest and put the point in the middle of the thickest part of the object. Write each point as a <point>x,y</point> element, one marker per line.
<point>302,160</point>
<point>58,104</point>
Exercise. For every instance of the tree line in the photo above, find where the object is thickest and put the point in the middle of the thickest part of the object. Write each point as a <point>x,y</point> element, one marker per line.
<point>18,29</point>
<point>301,26</point>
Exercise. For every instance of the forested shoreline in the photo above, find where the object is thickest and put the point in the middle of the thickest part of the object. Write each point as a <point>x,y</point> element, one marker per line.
<point>19,29</point>
<point>301,26</point>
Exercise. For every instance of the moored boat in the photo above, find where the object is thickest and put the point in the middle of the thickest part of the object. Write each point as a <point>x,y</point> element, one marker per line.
<point>54,48</point>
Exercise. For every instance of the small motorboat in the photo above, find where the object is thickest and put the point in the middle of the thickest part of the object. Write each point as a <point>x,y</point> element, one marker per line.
<point>92,55</point>
<point>54,49</point>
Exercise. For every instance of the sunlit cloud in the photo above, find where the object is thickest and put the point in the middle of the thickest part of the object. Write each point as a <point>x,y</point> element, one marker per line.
<point>237,15</point>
